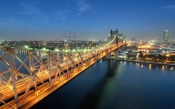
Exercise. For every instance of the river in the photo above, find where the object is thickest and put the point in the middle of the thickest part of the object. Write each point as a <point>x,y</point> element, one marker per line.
<point>110,84</point>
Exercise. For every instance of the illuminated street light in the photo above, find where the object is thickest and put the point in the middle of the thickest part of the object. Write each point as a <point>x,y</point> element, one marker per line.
<point>57,50</point>
<point>26,46</point>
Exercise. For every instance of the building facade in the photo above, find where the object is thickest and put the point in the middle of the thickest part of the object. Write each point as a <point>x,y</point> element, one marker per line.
<point>165,36</point>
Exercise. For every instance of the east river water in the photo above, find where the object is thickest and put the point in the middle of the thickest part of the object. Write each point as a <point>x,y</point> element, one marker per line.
<point>110,84</point>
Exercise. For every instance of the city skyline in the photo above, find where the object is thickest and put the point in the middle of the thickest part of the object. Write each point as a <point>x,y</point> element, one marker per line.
<point>88,19</point>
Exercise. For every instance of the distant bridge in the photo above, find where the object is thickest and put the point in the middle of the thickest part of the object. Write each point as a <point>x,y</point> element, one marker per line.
<point>24,81</point>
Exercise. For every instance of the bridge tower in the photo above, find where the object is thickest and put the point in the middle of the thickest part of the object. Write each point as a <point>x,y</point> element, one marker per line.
<point>116,38</point>
<point>112,35</point>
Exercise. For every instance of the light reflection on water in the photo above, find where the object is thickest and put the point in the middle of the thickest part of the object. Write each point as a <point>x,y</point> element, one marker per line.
<point>116,85</point>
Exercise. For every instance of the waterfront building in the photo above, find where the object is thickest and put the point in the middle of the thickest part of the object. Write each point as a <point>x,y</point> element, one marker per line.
<point>165,36</point>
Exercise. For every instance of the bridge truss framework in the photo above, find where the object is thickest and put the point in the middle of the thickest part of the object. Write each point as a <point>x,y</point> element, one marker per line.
<point>24,79</point>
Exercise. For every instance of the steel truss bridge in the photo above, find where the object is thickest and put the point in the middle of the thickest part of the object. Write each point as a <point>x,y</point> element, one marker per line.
<point>24,81</point>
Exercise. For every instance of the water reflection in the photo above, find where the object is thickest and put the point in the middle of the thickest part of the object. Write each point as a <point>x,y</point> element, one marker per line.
<point>172,68</point>
<point>116,85</point>
<point>101,94</point>
<point>141,65</point>
<point>150,66</point>
<point>163,67</point>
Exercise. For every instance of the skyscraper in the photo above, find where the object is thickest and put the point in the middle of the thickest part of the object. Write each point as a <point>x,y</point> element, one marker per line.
<point>165,36</point>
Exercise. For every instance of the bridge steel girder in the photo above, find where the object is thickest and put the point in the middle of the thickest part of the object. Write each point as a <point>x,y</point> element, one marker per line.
<point>81,58</point>
<point>54,65</point>
<point>66,60</point>
<point>32,68</point>
<point>70,56</point>
<point>11,59</point>
<point>49,65</point>
<point>56,62</point>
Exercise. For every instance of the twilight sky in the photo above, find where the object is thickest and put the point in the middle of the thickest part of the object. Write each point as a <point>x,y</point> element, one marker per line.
<point>89,19</point>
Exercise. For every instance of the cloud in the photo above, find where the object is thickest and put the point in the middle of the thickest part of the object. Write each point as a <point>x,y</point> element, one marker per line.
<point>61,14</point>
<point>83,6</point>
<point>169,6</point>
<point>30,9</point>
<point>31,14</point>
<point>78,14</point>
<point>10,21</point>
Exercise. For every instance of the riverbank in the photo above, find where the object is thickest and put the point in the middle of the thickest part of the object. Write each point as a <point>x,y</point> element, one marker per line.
<point>144,62</point>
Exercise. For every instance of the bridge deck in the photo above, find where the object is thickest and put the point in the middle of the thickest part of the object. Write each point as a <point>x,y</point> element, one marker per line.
<point>45,89</point>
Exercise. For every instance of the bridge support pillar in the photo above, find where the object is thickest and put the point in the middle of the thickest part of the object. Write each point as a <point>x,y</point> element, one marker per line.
<point>117,53</point>
<point>122,48</point>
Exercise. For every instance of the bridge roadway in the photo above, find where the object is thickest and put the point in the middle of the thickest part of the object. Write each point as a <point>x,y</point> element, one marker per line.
<point>28,100</point>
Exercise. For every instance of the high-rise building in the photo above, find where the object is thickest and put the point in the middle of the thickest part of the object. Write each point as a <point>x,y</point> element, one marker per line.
<point>165,36</point>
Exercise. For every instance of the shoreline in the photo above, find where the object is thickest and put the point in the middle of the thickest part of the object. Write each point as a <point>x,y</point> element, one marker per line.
<point>143,62</point>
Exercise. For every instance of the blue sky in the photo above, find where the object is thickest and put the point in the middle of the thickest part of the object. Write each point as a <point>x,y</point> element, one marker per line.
<point>89,19</point>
